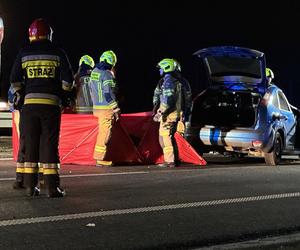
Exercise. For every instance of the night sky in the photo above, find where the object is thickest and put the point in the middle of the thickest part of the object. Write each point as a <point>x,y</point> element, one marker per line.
<point>143,32</point>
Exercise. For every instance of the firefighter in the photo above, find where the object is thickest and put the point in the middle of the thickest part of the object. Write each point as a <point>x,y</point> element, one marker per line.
<point>186,98</point>
<point>168,113</point>
<point>270,76</point>
<point>103,88</point>
<point>42,71</point>
<point>84,104</point>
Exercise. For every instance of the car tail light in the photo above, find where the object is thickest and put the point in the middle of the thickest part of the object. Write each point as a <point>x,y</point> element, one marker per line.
<point>256,143</point>
<point>4,106</point>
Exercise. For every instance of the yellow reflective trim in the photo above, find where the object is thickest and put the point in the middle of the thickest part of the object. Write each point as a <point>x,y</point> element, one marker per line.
<point>164,133</point>
<point>168,149</point>
<point>106,82</point>
<point>20,170</point>
<point>100,98</point>
<point>101,147</point>
<point>110,106</point>
<point>41,101</point>
<point>100,150</point>
<point>31,170</point>
<point>48,171</point>
<point>35,63</point>
<point>41,170</point>
<point>40,72</point>
<point>106,163</point>
<point>95,76</point>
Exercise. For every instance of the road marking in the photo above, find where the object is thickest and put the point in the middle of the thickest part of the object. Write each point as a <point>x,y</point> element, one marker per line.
<point>65,217</point>
<point>103,174</point>
<point>86,175</point>
<point>6,159</point>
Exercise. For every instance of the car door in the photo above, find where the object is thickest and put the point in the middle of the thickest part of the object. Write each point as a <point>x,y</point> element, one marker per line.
<point>288,120</point>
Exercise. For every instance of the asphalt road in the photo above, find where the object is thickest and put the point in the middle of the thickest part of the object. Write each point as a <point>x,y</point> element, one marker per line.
<point>224,205</point>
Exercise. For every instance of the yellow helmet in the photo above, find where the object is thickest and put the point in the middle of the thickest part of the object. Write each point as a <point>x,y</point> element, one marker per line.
<point>167,65</point>
<point>87,60</point>
<point>269,73</point>
<point>109,57</point>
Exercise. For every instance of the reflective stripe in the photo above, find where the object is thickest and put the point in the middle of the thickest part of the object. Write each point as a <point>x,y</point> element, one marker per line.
<point>48,171</point>
<point>168,92</point>
<point>41,101</point>
<point>95,76</point>
<point>41,170</point>
<point>30,164</point>
<point>100,149</point>
<point>168,149</point>
<point>100,98</point>
<point>110,106</point>
<point>164,133</point>
<point>83,108</point>
<point>33,170</point>
<point>106,82</point>
<point>40,57</point>
<point>36,63</point>
<point>43,96</point>
<point>106,163</point>
<point>49,165</point>
<point>20,170</point>
<point>20,165</point>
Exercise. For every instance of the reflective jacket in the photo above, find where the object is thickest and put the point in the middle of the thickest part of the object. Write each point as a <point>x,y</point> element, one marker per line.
<point>44,71</point>
<point>186,98</point>
<point>84,102</point>
<point>103,87</point>
<point>171,95</point>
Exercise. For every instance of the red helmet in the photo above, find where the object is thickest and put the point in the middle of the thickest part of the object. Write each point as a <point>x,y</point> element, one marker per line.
<point>40,30</point>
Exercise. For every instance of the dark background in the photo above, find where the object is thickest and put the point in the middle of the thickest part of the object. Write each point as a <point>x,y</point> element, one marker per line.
<point>143,32</point>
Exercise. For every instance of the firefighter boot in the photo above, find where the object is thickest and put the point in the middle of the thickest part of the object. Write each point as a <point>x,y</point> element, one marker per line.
<point>104,163</point>
<point>19,182</point>
<point>53,189</point>
<point>30,182</point>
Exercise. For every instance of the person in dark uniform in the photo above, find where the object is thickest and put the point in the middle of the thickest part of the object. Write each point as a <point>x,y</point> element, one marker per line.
<point>43,72</point>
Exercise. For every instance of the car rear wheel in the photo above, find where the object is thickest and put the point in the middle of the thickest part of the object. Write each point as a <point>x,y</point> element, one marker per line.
<point>273,158</point>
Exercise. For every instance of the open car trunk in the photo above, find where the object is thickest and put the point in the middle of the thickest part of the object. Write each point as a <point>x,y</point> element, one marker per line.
<point>225,108</point>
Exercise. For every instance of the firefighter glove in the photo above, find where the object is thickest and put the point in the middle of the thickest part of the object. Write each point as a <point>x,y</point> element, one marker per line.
<point>157,116</point>
<point>18,101</point>
<point>117,113</point>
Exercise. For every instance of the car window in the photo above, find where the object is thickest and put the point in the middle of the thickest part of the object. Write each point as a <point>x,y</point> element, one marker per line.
<point>284,105</point>
<point>275,101</point>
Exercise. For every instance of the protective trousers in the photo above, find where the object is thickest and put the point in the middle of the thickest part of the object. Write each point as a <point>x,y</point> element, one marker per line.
<point>40,126</point>
<point>180,125</point>
<point>167,129</point>
<point>106,120</point>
